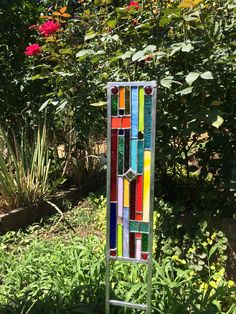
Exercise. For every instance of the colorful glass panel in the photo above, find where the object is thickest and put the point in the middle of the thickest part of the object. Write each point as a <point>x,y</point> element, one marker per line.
<point>131,129</point>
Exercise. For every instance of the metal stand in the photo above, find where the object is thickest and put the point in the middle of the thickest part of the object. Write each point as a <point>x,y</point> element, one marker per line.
<point>145,307</point>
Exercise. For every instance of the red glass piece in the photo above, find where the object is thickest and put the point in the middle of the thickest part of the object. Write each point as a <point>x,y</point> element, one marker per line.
<point>115,90</point>
<point>112,252</point>
<point>148,90</point>
<point>138,235</point>
<point>116,123</point>
<point>139,194</point>
<point>126,123</point>
<point>114,139</point>
<point>131,245</point>
<point>144,256</point>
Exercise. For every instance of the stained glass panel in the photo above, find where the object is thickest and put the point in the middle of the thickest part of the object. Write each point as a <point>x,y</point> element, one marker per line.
<point>131,129</point>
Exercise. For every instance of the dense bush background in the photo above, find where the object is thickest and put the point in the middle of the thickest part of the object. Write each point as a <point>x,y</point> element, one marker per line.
<point>189,51</point>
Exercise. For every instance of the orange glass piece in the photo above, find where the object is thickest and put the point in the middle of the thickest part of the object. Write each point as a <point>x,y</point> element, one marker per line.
<point>116,123</point>
<point>122,98</point>
<point>138,216</point>
<point>126,123</point>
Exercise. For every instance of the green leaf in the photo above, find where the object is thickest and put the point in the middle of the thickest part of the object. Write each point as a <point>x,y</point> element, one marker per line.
<point>138,55</point>
<point>112,23</point>
<point>126,55</point>
<point>150,48</point>
<point>207,75</point>
<point>66,51</point>
<point>44,105</point>
<point>218,122</point>
<point>191,77</point>
<point>212,250</point>
<point>187,47</point>
<point>185,91</point>
<point>216,102</point>
<point>98,2</point>
<point>167,81</point>
<point>84,52</point>
<point>99,104</point>
<point>90,35</point>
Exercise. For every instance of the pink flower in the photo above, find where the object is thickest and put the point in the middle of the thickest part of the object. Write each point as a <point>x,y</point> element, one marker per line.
<point>32,50</point>
<point>49,28</point>
<point>133,4</point>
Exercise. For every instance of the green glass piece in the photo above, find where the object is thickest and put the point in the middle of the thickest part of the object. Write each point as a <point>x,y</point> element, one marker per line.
<point>119,239</point>
<point>114,104</point>
<point>134,226</point>
<point>140,156</point>
<point>144,227</point>
<point>144,242</point>
<point>147,122</point>
<point>127,100</point>
<point>121,145</point>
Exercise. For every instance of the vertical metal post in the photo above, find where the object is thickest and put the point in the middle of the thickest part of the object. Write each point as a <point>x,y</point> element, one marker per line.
<point>108,201</point>
<point>150,244</point>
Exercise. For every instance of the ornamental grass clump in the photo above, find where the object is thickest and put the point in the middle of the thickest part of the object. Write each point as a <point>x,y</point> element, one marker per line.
<point>24,169</point>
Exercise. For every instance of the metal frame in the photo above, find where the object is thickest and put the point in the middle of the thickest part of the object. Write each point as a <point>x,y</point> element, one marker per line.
<point>147,306</point>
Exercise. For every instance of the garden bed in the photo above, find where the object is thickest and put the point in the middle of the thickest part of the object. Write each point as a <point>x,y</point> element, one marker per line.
<point>24,216</point>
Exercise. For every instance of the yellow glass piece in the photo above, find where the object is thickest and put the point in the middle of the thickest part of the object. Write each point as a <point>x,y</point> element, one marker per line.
<point>141,110</point>
<point>146,185</point>
<point>119,239</point>
<point>126,192</point>
<point>122,98</point>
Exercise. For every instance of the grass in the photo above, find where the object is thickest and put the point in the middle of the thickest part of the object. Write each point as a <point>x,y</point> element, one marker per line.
<point>58,266</point>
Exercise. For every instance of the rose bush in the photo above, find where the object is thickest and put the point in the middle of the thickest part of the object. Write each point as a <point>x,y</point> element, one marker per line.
<point>187,47</point>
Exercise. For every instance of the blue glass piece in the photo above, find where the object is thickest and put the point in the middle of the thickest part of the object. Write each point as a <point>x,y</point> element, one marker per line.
<point>134,111</point>
<point>126,232</point>
<point>121,112</point>
<point>121,132</point>
<point>147,121</point>
<point>113,226</point>
<point>140,156</point>
<point>133,154</point>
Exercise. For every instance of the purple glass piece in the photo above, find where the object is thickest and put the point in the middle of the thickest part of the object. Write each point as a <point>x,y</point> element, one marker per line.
<point>120,196</point>
<point>113,226</point>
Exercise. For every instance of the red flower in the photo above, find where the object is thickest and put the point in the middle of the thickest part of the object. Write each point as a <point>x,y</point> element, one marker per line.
<point>49,28</point>
<point>133,4</point>
<point>32,50</point>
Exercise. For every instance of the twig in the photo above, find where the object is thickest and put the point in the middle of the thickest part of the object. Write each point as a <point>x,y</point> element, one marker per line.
<point>62,216</point>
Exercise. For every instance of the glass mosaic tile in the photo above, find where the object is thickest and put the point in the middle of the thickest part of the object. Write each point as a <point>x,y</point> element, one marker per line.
<point>121,146</point>
<point>144,227</point>
<point>127,151</point>
<point>145,242</point>
<point>147,122</point>
<point>113,225</point>
<point>134,226</point>
<point>114,105</point>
